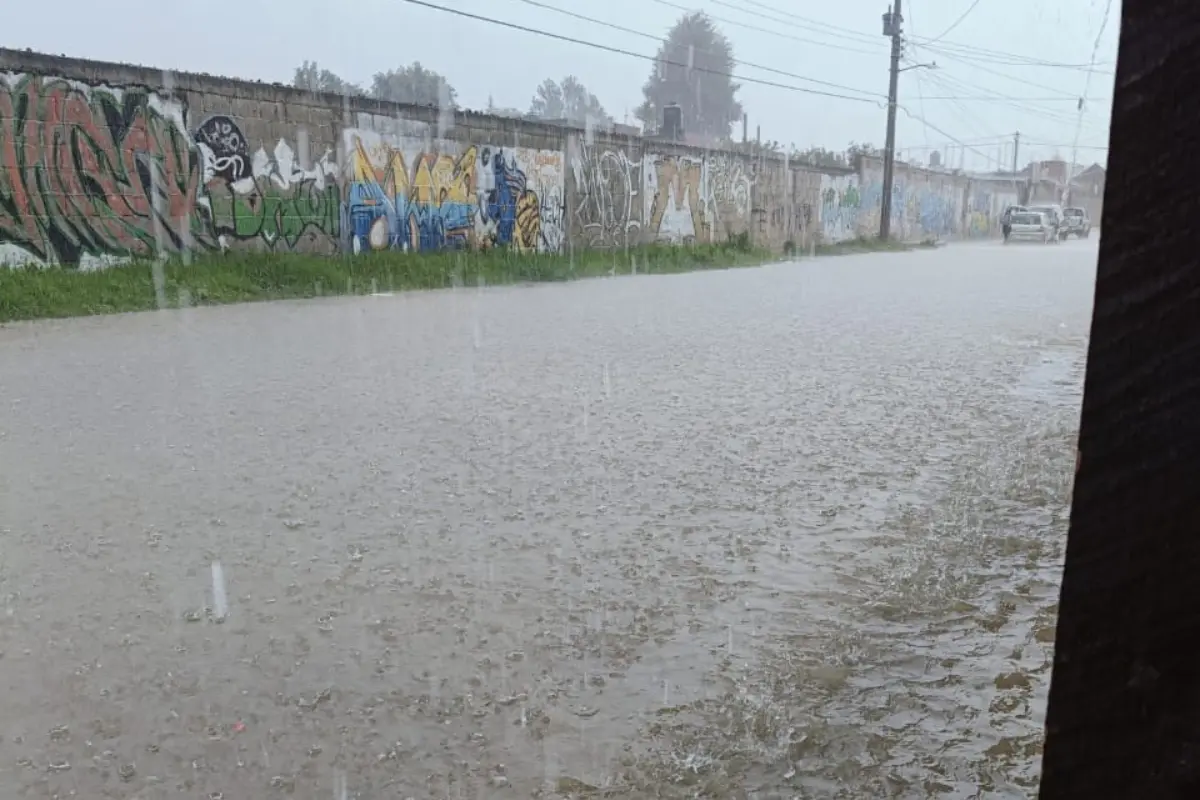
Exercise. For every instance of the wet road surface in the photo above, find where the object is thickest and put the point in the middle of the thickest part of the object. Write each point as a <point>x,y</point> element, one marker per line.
<point>784,532</point>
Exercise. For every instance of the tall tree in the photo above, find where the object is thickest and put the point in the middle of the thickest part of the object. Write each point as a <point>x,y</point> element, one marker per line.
<point>311,77</point>
<point>569,100</point>
<point>692,71</point>
<point>413,84</point>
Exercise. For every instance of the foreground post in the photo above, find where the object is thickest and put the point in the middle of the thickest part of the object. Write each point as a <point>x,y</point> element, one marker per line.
<point>1124,713</point>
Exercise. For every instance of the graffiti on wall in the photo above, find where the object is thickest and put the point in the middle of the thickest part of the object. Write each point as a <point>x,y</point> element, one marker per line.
<point>93,173</point>
<point>840,207</point>
<point>607,208</point>
<point>690,199</point>
<point>407,198</point>
<point>924,205</point>
<point>727,199</point>
<point>673,205</point>
<point>520,199</point>
<point>985,203</point>
<point>271,198</point>
<point>411,193</point>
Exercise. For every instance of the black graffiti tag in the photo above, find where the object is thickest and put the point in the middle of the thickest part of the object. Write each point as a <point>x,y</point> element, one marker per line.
<point>231,155</point>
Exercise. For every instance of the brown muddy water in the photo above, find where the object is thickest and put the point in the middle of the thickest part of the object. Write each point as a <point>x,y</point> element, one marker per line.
<point>783,532</point>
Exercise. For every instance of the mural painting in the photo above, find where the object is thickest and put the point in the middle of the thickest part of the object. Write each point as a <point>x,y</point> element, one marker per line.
<point>267,198</point>
<point>608,206</point>
<point>409,192</point>
<point>90,175</point>
<point>840,206</point>
<point>520,199</point>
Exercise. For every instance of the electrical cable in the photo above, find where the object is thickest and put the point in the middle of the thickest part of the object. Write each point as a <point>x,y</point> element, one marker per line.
<point>632,54</point>
<point>1087,85</point>
<point>850,35</point>
<point>780,34</point>
<point>953,84</point>
<point>954,24</point>
<point>659,39</point>
<point>969,49</point>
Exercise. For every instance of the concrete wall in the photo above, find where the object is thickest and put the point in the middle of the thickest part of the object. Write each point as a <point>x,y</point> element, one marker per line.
<point>101,162</point>
<point>926,204</point>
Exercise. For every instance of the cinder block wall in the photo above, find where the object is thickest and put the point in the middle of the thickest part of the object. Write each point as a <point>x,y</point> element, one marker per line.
<point>100,162</point>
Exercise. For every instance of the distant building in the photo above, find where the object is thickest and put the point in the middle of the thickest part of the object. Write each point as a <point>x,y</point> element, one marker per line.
<point>1057,181</point>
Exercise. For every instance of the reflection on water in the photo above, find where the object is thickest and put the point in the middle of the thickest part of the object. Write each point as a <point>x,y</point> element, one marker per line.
<point>784,532</point>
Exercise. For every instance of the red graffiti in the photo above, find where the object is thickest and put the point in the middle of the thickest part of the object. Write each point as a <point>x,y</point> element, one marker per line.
<point>94,171</point>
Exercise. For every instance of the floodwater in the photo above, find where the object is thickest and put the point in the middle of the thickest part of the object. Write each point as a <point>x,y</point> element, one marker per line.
<point>784,532</point>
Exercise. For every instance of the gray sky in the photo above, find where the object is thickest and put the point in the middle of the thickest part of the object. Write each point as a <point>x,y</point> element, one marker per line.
<point>985,56</point>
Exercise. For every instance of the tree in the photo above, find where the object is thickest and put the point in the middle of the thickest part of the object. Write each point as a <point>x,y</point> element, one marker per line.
<point>569,100</point>
<point>864,149</point>
<point>311,77</point>
<point>820,157</point>
<point>692,70</point>
<point>846,159</point>
<point>415,85</point>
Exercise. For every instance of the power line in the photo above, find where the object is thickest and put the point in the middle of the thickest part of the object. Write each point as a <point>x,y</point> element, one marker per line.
<point>954,84</point>
<point>1040,143</point>
<point>780,34</point>
<point>920,88</point>
<point>660,40</point>
<point>1088,85</point>
<point>983,56</point>
<point>955,24</point>
<point>1019,99</point>
<point>619,51</point>
<point>982,53</point>
<point>962,60</point>
<point>853,36</point>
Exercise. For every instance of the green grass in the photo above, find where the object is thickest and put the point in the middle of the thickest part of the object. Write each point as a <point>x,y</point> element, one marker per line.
<point>38,293</point>
<point>866,245</point>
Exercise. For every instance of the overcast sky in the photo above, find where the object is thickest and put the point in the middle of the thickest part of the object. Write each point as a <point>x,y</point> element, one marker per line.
<point>984,63</point>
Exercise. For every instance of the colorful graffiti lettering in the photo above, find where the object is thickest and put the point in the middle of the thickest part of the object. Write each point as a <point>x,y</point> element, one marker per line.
<point>401,195</point>
<point>92,173</point>
<point>392,205</point>
<point>607,183</point>
<point>270,199</point>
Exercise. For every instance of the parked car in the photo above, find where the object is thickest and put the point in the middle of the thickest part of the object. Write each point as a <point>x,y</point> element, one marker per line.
<point>1075,220</point>
<point>1054,216</point>
<point>1031,226</point>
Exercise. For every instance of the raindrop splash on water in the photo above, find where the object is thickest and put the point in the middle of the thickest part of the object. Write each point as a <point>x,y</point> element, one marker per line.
<point>220,598</point>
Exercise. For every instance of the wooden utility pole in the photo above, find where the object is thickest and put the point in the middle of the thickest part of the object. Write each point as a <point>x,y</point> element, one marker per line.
<point>891,27</point>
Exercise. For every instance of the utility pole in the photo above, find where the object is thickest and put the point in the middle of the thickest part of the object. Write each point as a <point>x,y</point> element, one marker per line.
<point>1016,149</point>
<point>891,27</point>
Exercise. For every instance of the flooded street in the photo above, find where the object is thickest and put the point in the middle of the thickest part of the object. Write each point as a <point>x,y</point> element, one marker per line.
<point>784,532</point>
